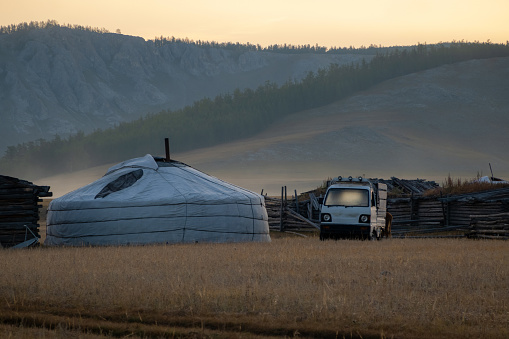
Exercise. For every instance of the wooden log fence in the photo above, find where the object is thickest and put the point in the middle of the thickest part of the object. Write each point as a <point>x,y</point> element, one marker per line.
<point>283,216</point>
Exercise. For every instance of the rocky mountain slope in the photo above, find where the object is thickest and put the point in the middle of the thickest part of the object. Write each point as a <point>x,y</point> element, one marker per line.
<point>59,80</point>
<point>449,120</point>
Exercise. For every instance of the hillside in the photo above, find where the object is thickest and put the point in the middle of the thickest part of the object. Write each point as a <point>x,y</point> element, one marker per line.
<point>448,120</point>
<point>59,80</point>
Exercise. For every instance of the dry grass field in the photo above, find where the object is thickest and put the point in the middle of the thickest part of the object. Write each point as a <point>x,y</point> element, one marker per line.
<point>395,288</point>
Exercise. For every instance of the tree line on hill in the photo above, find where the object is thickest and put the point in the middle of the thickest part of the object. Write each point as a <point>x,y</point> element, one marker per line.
<point>275,48</point>
<point>231,116</point>
<point>32,25</point>
<point>240,47</point>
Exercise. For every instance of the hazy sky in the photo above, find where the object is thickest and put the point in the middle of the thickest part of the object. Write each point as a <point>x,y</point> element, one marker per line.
<point>326,22</point>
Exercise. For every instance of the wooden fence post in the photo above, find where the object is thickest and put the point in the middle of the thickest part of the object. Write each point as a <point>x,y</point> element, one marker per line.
<point>296,202</point>
<point>281,226</point>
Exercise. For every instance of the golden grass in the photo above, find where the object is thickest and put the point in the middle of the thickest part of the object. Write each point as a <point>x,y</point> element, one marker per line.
<point>16,331</point>
<point>412,288</point>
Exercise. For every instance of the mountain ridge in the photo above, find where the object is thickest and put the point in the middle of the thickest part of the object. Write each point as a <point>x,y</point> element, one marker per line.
<point>59,80</point>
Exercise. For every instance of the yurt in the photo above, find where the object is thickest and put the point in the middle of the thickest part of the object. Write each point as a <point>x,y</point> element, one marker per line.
<point>153,200</point>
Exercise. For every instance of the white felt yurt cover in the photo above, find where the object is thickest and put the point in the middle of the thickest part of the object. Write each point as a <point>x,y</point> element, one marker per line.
<point>147,200</point>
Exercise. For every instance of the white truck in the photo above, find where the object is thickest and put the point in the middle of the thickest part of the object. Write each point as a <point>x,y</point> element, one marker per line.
<point>354,208</point>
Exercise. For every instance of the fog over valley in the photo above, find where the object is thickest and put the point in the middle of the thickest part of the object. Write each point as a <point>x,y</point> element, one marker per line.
<point>449,120</point>
<point>380,119</point>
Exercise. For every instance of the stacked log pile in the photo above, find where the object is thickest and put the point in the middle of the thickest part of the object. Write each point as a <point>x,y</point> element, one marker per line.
<point>495,226</point>
<point>19,210</point>
<point>407,187</point>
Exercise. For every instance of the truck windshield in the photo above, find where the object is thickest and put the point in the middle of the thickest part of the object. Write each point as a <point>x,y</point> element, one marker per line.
<point>347,197</point>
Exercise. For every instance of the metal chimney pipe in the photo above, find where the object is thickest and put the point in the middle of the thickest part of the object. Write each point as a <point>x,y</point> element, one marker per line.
<point>167,148</point>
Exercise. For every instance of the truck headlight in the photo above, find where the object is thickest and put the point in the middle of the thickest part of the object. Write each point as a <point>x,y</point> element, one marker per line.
<point>364,218</point>
<point>326,217</point>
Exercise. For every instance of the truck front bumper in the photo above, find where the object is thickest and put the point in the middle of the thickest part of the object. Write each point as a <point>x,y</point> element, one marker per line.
<point>345,231</point>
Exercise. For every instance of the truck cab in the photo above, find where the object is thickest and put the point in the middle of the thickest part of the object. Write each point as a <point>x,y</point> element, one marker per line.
<point>354,208</point>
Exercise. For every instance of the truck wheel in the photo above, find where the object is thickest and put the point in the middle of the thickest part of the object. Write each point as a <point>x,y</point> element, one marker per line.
<point>323,236</point>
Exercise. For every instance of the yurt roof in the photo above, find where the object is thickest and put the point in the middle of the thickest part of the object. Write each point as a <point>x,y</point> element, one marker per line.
<point>162,180</point>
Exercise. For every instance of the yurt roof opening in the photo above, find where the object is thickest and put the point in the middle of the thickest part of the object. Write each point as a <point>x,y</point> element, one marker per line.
<point>156,200</point>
